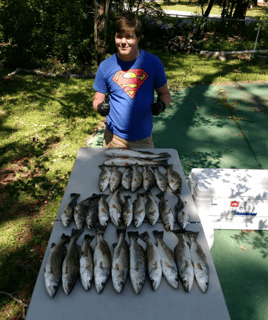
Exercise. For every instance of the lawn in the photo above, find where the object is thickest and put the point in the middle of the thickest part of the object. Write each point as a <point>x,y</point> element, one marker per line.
<point>44,122</point>
<point>183,5</point>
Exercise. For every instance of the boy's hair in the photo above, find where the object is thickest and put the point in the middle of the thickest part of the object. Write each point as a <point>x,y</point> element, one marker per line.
<point>127,21</point>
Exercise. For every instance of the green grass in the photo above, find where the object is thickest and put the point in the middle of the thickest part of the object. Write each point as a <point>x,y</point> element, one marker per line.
<point>43,123</point>
<point>256,12</point>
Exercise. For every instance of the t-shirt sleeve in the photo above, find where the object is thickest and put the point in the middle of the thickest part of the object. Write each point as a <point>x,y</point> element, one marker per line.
<point>100,84</point>
<point>160,75</point>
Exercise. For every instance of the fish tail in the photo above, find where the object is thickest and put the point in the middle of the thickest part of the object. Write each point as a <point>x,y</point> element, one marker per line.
<point>133,234</point>
<point>99,228</point>
<point>162,162</point>
<point>160,195</point>
<point>176,193</point>
<point>158,234</point>
<point>75,195</point>
<point>88,238</point>
<point>76,233</point>
<point>192,234</point>
<point>168,166</point>
<point>119,231</point>
<point>164,155</point>
<point>179,231</point>
<point>144,236</point>
<point>65,238</point>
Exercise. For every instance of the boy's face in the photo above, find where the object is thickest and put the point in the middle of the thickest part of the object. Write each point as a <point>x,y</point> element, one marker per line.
<point>127,44</point>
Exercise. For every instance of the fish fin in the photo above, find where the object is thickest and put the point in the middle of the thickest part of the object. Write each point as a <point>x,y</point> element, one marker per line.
<point>158,234</point>
<point>144,235</point>
<point>133,234</point>
<point>119,231</point>
<point>114,245</point>
<point>88,237</point>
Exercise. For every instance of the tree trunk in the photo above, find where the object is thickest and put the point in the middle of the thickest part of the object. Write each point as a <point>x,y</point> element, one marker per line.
<point>210,5</point>
<point>241,9</point>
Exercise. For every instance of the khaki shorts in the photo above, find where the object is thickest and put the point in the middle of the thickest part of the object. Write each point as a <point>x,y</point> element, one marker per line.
<point>111,140</point>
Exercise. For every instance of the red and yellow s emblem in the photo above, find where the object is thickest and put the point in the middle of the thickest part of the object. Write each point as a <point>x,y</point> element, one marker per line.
<point>131,80</point>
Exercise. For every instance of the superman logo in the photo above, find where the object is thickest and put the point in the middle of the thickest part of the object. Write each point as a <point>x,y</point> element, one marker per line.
<point>131,80</point>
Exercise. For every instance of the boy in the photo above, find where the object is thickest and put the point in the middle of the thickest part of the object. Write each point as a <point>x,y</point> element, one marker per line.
<point>130,77</point>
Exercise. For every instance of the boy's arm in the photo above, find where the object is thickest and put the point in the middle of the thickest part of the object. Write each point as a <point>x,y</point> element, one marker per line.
<point>98,98</point>
<point>164,94</point>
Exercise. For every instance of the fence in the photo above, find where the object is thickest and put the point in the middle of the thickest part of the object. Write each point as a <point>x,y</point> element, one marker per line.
<point>234,36</point>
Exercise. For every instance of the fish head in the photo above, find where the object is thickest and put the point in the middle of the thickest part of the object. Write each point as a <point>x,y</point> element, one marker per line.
<point>52,290</point>
<point>66,221</point>
<point>118,285</point>
<point>67,286</point>
<point>99,285</point>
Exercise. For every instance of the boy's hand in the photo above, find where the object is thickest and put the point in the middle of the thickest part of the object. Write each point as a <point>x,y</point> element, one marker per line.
<point>104,107</point>
<point>158,106</point>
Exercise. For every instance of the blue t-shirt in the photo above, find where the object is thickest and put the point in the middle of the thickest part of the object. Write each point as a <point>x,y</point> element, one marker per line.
<point>131,88</point>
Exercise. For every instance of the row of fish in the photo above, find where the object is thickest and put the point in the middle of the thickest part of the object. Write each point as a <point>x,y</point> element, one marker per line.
<point>96,208</point>
<point>187,262</point>
<point>132,179</point>
<point>122,157</point>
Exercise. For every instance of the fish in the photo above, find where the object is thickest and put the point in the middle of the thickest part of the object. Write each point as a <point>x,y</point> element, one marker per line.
<point>148,178</point>
<point>136,182</point>
<point>102,260</point>
<point>138,210</point>
<point>174,179</point>
<point>68,211</point>
<point>127,213</point>
<point>81,209</point>
<point>104,177</point>
<point>120,152</point>
<point>161,180</point>
<point>153,261</point>
<point>201,268</point>
<point>126,161</point>
<point>86,263</point>
<point>120,263</point>
<point>103,210</point>
<point>127,178</point>
<point>115,208</point>
<point>184,262</point>
<point>181,212</point>
<point>80,212</point>
<point>115,179</point>
<point>138,263</point>
<point>53,266</point>
<point>168,262</point>
<point>92,212</point>
<point>71,264</point>
<point>151,209</point>
<point>165,212</point>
